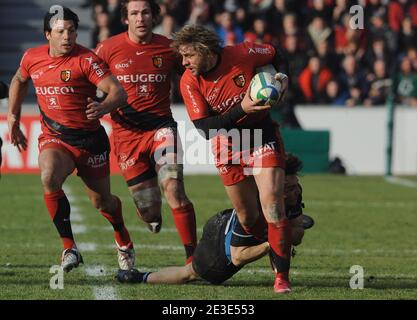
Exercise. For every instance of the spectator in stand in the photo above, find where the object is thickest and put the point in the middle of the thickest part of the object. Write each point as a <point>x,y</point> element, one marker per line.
<point>317,32</point>
<point>200,14</point>
<point>328,57</point>
<point>258,33</point>
<point>258,7</point>
<point>333,95</point>
<point>177,8</point>
<point>340,10</point>
<point>380,85</point>
<point>228,31</point>
<point>167,27</point>
<point>321,8</point>
<point>297,61</point>
<point>348,40</point>
<point>102,31</point>
<point>379,29</point>
<point>371,7</point>
<point>353,80</point>
<point>407,36</point>
<point>115,24</point>
<point>290,28</point>
<point>378,51</point>
<point>313,80</point>
<point>275,16</point>
<point>406,84</point>
<point>412,55</point>
<point>397,11</point>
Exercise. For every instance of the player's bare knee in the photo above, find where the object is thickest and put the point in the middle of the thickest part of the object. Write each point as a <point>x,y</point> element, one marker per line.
<point>148,202</point>
<point>51,181</point>
<point>171,171</point>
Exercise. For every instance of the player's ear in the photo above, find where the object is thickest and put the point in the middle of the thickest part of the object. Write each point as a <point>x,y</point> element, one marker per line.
<point>48,35</point>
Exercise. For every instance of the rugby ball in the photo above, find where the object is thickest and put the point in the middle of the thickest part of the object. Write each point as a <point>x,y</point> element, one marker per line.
<point>264,87</point>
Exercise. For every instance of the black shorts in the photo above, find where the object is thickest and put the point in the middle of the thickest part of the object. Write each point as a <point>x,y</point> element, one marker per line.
<point>209,258</point>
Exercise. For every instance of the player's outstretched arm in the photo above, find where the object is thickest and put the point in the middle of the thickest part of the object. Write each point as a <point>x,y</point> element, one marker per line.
<point>17,93</point>
<point>116,97</point>
<point>245,255</point>
<point>173,275</point>
<point>169,275</point>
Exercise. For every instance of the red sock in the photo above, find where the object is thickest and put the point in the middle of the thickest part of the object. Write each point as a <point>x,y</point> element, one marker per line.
<point>121,235</point>
<point>279,238</point>
<point>59,209</point>
<point>184,219</point>
<point>260,229</point>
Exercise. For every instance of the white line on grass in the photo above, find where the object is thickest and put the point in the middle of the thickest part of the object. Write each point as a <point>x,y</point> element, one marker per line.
<point>401,182</point>
<point>99,292</point>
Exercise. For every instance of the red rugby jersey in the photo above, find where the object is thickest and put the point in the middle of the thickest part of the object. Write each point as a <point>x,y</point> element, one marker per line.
<point>63,84</point>
<point>145,72</point>
<point>225,86</point>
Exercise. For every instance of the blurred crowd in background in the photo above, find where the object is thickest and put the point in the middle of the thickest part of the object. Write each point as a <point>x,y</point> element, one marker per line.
<point>329,62</point>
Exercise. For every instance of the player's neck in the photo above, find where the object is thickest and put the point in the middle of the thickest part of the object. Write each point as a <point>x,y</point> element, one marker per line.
<point>140,40</point>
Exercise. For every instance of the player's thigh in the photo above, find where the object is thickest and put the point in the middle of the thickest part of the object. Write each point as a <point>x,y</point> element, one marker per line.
<point>244,198</point>
<point>55,165</point>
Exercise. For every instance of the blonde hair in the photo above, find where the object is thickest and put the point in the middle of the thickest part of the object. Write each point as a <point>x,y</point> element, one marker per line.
<point>203,40</point>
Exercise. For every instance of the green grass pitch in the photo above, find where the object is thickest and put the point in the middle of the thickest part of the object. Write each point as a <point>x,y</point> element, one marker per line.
<point>362,221</point>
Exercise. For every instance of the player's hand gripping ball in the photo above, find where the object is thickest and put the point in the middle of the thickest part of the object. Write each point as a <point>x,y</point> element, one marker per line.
<point>266,88</point>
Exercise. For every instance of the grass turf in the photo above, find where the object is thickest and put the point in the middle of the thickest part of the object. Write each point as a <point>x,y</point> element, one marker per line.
<point>359,221</point>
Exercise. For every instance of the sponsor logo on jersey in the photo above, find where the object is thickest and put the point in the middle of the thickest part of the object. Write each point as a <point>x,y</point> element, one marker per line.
<point>36,75</point>
<point>267,149</point>
<point>125,164</point>
<point>66,75</point>
<point>98,160</point>
<point>259,50</point>
<point>52,102</point>
<point>143,77</point>
<point>54,90</point>
<point>225,105</point>
<point>196,109</point>
<point>157,61</point>
<point>99,72</point>
<point>240,80</point>
<point>123,64</point>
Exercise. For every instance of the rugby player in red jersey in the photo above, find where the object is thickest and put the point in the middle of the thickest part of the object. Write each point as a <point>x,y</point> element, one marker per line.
<point>145,134</point>
<point>214,88</point>
<point>65,76</point>
<point>224,247</point>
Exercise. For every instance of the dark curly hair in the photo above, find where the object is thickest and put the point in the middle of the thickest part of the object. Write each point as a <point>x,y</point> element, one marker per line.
<point>293,165</point>
<point>57,12</point>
